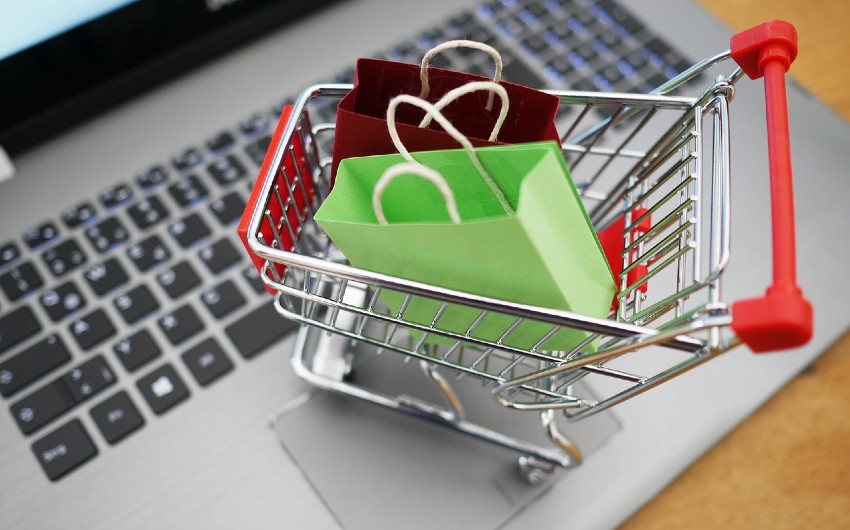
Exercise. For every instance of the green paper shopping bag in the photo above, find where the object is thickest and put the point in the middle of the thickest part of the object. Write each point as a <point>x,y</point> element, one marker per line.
<point>522,234</point>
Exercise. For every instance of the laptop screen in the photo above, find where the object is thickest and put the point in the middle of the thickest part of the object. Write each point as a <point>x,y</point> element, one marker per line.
<point>71,60</point>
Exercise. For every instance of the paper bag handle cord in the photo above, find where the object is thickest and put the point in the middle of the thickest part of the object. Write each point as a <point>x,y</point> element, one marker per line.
<point>451,131</point>
<point>462,43</point>
<point>415,168</point>
<point>474,86</point>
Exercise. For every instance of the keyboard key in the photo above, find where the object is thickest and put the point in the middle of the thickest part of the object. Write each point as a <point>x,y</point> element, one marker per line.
<point>188,230</point>
<point>116,195</point>
<point>256,150</point>
<point>255,124</point>
<point>536,44</point>
<point>64,450</point>
<point>207,362</point>
<point>137,350</point>
<point>64,257</point>
<point>9,253</point>
<point>106,276</point>
<point>188,159</point>
<point>517,72</point>
<point>79,215</point>
<point>188,190</point>
<point>31,364</point>
<point>152,177</point>
<point>253,278</point>
<point>221,141</point>
<point>20,281</point>
<point>181,324</point>
<point>219,255</point>
<point>258,329</point>
<point>106,234</point>
<point>92,329</point>
<point>147,212</point>
<point>228,208</point>
<point>148,253</point>
<point>40,234</point>
<point>226,170</point>
<point>136,304</point>
<point>17,326</point>
<point>178,279</point>
<point>117,417</point>
<point>88,379</point>
<point>223,299</point>
<point>37,409</point>
<point>62,301</point>
<point>163,389</point>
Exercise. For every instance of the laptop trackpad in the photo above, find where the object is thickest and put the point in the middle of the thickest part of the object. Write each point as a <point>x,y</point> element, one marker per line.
<point>375,468</point>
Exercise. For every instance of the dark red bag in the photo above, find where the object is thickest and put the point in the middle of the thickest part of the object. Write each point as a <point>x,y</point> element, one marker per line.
<point>361,125</point>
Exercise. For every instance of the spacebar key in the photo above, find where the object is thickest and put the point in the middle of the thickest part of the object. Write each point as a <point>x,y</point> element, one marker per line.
<point>258,329</point>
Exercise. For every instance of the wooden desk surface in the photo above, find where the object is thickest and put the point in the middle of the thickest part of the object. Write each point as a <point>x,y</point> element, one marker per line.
<point>787,466</point>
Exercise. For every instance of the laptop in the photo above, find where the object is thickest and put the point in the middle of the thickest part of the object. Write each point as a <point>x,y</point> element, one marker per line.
<point>144,372</point>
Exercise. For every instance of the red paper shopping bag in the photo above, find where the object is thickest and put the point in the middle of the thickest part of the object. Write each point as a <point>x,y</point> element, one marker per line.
<point>361,127</point>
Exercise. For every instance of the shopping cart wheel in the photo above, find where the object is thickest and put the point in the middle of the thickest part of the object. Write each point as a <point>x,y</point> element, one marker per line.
<point>534,470</point>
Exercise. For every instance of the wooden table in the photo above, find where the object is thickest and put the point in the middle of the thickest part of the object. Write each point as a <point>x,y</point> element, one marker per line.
<point>788,465</point>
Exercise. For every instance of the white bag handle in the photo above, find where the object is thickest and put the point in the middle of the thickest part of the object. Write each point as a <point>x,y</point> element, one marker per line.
<point>451,130</point>
<point>423,71</point>
<point>407,168</point>
<point>474,86</point>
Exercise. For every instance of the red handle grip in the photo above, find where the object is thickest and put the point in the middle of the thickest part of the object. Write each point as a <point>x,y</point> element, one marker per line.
<point>782,318</point>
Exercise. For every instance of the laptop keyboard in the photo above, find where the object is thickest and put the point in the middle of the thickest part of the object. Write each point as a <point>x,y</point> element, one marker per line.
<point>131,281</point>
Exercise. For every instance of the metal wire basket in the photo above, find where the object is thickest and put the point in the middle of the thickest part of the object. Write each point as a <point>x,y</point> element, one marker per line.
<point>655,177</point>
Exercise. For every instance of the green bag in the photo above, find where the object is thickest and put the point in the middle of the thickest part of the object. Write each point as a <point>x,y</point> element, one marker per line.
<point>545,254</point>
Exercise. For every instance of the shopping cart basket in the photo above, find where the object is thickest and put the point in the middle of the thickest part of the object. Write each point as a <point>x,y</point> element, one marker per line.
<point>655,176</point>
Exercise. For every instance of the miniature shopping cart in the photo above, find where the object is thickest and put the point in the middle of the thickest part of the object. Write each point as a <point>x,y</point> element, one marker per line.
<point>655,178</point>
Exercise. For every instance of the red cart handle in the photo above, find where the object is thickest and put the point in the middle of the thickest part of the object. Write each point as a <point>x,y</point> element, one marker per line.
<point>782,318</point>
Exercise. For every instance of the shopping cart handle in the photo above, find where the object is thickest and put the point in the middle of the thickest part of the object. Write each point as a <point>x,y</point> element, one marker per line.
<point>782,318</point>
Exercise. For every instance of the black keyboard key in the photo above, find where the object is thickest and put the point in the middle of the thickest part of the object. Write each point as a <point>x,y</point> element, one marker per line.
<point>9,253</point>
<point>258,329</point>
<point>221,141</point>
<point>147,212</point>
<point>656,80</point>
<point>78,215</point>
<point>117,417</point>
<point>223,299</point>
<point>163,389</point>
<point>538,9</point>
<point>40,234</point>
<point>519,73</point>
<point>189,230</point>
<point>253,278</point>
<point>37,409</point>
<point>152,178</point>
<point>178,279</point>
<point>226,170</point>
<point>31,364</point>
<point>207,362</point>
<point>536,44</point>
<point>188,159</point>
<point>88,379</point>
<point>64,450</point>
<point>181,324</point>
<point>106,234</point>
<point>148,253</point>
<point>137,350</point>
<point>116,195</point>
<point>219,255</point>
<point>255,124</point>
<point>106,276</point>
<point>92,329</point>
<point>20,281</point>
<point>256,150</point>
<point>17,326</point>
<point>136,304</point>
<point>188,190</point>
<point>62,301</point>
<point>228,208</point>
<point>64,257</point>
